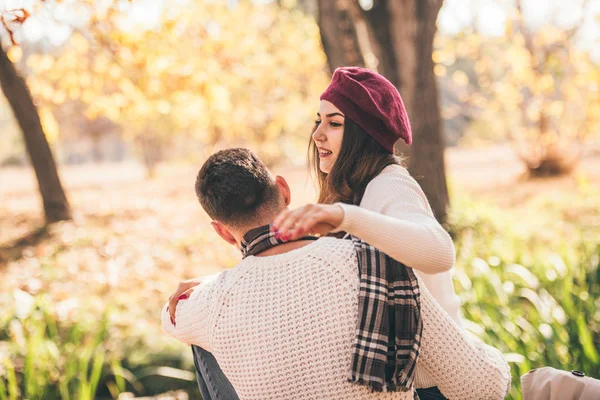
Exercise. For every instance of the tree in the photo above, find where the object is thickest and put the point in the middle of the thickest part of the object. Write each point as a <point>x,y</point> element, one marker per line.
<point>56,206</point>
<point>398,43</point>
<point>338,25</point>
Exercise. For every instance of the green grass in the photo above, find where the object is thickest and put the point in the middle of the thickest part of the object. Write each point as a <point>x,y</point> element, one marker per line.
<point>50,360</point>
<point>531,286</point>
<point>44,357</point>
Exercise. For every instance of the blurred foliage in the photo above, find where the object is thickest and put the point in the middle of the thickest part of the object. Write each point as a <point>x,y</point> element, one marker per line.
<point>534,86</point>
<point>529,280</point>
<point>198,75</point>
<point>239,74</point>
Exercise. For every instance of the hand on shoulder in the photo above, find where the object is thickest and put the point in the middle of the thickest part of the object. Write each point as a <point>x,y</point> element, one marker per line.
<point>315,219</point>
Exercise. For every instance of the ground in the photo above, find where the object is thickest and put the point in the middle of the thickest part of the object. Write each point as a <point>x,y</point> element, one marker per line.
<point>496,175</point>
<point>492,174</point>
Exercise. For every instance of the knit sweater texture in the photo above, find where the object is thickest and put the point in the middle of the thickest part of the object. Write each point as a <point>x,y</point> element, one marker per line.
<point>282,327</point>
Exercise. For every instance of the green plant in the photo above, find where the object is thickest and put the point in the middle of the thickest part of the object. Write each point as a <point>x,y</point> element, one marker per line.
<point>52,359</point>
<point>48,357</point>
<point>530,291</point>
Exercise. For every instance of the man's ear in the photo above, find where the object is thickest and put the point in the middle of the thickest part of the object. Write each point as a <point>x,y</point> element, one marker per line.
<point>284,189</point>
<point>223,232</point>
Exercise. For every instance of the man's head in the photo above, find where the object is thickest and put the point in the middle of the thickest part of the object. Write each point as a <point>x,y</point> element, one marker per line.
<point>238,192</point>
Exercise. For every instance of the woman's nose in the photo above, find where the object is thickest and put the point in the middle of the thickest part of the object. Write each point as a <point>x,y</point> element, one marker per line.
<point>318,135</point>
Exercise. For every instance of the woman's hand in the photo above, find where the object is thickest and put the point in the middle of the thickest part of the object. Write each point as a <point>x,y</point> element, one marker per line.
<point>316,219</point>
<point>184,289</point>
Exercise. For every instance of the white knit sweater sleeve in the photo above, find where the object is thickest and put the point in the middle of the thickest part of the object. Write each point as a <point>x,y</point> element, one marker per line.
<point>195,317</point>
<point>463,368</point>
<point>405,229</point>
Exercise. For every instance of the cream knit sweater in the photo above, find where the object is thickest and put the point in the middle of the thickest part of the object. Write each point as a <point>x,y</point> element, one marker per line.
<point>395,217</point>
<point>282,327</point>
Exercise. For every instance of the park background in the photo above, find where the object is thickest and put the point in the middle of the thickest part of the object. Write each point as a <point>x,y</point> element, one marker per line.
<point>124,100</point>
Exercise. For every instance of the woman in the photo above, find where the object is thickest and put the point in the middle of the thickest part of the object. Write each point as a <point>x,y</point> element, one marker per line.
<point>364,191</point>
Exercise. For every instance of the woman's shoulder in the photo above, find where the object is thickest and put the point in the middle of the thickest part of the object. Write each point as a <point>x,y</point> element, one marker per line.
<point>394,183</point>
<point>394,175</point>
<point>394,169</point>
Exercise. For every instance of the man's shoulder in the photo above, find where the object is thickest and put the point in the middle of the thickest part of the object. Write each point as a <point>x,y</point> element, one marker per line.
<point>212,284</point>
<point>331,246</point>
<point>324,257</point>
<point>336,253</point>
<point>323,250</point>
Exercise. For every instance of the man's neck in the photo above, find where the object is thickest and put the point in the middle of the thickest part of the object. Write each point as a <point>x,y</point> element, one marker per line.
<point>261,241</point>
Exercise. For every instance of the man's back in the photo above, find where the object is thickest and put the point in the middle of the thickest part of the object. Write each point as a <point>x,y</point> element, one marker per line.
<point>283,326</point>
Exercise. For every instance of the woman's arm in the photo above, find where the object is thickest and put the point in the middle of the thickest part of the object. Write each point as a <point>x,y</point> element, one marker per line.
<point>183,291</point>
<point>394,217</point>
<point>193,316</point>
<point>407,231</point>
<point>406,235</point>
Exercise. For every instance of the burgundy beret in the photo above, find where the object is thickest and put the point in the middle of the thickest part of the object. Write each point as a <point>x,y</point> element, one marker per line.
<point>372,102</point>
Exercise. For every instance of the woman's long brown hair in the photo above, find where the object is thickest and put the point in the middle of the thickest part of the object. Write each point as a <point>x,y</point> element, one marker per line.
<point>360,160</point>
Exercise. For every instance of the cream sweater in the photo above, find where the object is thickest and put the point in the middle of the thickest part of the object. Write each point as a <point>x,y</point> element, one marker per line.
<point>282,327</point>
<point>395,217</point>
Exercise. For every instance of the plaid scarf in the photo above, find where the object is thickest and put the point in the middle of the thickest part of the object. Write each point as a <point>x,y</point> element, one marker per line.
<point>388,337</point>
<point>259,239</point>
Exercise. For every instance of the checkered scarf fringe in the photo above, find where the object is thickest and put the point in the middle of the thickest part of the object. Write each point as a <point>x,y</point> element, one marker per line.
<point>388,337</point>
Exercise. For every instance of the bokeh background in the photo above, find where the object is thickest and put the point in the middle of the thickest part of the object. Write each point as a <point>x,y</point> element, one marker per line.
<point>110,107</point>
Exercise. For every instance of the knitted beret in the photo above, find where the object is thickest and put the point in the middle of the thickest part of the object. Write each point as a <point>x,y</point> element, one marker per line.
<point>372,102</point>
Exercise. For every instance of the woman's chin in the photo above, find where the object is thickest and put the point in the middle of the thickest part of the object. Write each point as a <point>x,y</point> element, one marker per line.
<point>326,163</point>
<point>324,168</point>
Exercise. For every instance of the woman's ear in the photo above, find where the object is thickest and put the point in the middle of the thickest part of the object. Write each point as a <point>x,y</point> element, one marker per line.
<point>284,189</point>
<point>223,232</point>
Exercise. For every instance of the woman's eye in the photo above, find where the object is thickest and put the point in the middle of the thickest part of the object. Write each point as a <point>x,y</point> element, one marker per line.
<point>335,124</point>
<point>317,121</point>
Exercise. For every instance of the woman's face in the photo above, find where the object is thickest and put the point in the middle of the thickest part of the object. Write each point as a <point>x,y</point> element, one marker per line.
<point>328,134</point>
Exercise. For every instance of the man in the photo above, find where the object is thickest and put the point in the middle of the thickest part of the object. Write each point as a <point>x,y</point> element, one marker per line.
<point>282,323</point>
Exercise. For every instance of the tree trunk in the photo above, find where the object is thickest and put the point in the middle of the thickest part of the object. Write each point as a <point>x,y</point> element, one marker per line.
<point>152,153</point>
<point>340,33</point>
<point>56,206</point>
<point>401,34</point>
<point>427,160</point>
